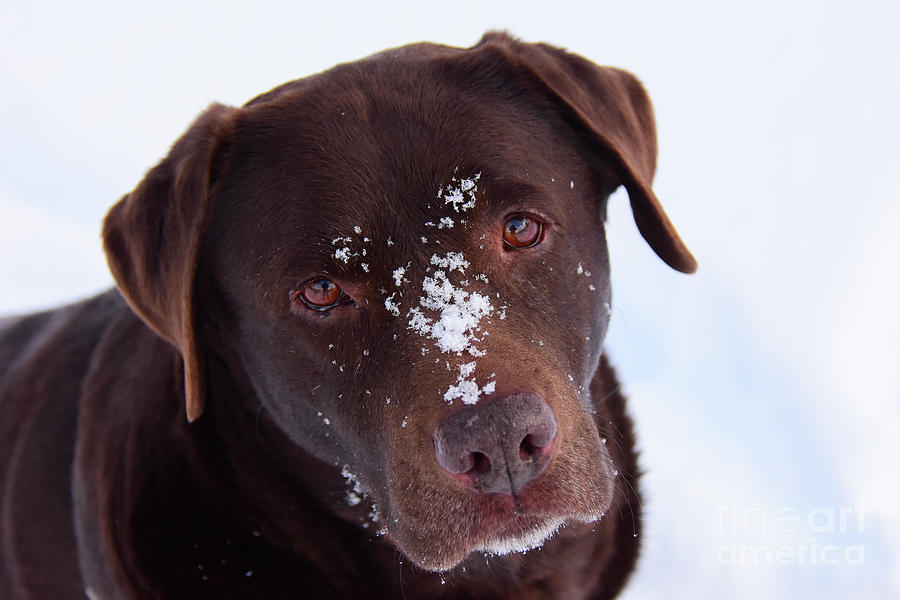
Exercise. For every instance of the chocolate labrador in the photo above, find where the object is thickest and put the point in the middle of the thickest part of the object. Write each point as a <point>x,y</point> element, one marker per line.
<point>380,294</point>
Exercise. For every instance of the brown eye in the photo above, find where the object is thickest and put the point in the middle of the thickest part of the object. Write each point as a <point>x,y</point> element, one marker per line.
<point>320,294</point>
<point>520,232</point>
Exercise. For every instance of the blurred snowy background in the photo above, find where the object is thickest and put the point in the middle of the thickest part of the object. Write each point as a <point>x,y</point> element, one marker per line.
<point>766,387</point>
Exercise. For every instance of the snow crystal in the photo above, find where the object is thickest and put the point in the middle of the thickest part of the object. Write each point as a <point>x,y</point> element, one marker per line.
<point>453,261</point>
<point>582,271</point>
<point>466,390</point>
<point>457,321</point>
<point>342,254</point>
<point>460,193</point>
<point>391,306</point>
<point>357,229</point>
<point>444,223</point>
<point>390,242</point>
<point>466,370</point>
<point>398,274</point>
<point>460,314</point>
<point>365,267</point>
<point>354,495</point>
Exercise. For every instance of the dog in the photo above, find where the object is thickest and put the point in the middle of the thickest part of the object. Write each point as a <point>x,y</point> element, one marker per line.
<point>355,349</point>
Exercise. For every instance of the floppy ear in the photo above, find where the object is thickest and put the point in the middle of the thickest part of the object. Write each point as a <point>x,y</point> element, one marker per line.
<point>613,108</point>
<point>151,238</point>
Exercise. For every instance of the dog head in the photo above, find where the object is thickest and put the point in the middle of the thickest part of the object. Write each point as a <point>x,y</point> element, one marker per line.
<point>408,256</point>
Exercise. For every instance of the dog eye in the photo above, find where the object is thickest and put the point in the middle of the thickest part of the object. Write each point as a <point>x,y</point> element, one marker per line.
<point>319,294</point>
<point>520,232</point>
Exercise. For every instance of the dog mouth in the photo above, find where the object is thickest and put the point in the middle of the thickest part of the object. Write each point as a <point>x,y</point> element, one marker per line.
<point>439,531</point>
<point>529,525</point>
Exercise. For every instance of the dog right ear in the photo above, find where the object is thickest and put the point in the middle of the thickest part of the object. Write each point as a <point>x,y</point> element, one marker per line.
<point>151,238</point>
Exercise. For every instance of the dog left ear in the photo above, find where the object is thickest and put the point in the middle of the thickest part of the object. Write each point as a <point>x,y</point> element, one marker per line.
<point>151,238</point>
<point>613,108</point>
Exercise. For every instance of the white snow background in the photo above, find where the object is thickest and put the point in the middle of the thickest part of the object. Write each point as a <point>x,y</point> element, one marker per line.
<point>766,387</point>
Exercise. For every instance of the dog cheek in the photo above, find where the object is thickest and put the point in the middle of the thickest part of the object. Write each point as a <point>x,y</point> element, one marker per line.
<point>422,519</point>
<point>582,459</point>
<point>584,341</point>
<point>299,397</point>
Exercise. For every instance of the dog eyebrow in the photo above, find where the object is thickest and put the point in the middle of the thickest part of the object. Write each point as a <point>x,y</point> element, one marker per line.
<point>512,193</point>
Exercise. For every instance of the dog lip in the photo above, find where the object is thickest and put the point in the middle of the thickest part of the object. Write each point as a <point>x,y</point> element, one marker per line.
<point>509,531</point>
<point>521,534</point>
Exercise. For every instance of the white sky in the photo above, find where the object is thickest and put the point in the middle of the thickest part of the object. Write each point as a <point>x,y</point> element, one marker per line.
<point>767,382</point>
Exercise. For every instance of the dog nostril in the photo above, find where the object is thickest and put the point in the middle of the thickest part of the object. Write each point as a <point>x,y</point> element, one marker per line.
<point>480,464</point>
<point>528,448</point>
<point>535,443</point>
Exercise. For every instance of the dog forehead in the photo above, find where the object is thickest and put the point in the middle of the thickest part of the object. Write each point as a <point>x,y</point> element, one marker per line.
<point>404,115</point>
<point>368,156</point>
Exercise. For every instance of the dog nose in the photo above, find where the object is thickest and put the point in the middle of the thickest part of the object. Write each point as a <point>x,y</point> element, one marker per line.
<point>497,447</point>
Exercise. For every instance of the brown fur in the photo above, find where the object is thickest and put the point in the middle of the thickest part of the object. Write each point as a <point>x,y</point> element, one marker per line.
<point>108,487</point>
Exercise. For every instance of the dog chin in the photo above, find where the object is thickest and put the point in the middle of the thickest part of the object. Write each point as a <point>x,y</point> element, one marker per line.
<point>533,537</point>
<point>516,539</point>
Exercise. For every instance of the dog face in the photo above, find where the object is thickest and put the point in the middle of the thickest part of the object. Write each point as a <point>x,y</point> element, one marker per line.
<point>393,297</point>
<point>404,261</point>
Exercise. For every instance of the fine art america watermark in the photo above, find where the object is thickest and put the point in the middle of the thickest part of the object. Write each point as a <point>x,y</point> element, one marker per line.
<point>819,536</point>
